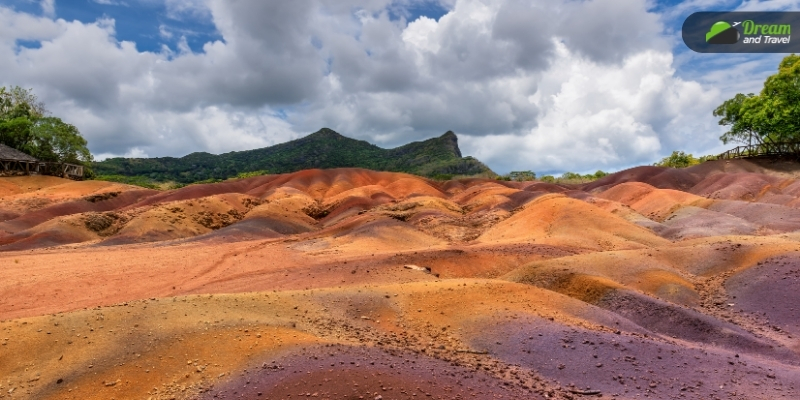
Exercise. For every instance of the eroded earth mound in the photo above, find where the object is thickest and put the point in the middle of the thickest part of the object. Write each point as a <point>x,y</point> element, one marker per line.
<point>355,284</point>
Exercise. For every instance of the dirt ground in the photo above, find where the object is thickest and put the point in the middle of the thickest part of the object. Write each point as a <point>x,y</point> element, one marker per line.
<point>354,284</point>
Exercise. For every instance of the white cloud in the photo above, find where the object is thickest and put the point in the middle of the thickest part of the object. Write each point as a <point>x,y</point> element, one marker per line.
<point>178,9</point>
<point>48,7</point>
<point>526,84</point>
<point>768,5</point>
<point>111,2</point>
<point>164,32</point>
<point>602,116</point>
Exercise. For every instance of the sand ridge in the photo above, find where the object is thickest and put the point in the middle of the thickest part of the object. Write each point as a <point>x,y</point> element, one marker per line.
<point>348,283</point>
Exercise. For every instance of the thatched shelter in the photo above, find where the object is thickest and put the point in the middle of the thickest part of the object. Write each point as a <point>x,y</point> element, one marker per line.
<point>15,162</point>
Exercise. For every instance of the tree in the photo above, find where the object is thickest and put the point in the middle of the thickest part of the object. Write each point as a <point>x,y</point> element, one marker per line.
<point>521,176</point>
<point>548,179</point>
<point>16,133</point>
<point>733,115</point>
<point>18,102</point>
<point>25,126</point>
<point>57,141</point>
<point>678,159</point>
<point>771,116</point>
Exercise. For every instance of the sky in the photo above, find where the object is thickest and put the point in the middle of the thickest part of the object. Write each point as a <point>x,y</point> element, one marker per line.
<point>542,85</point>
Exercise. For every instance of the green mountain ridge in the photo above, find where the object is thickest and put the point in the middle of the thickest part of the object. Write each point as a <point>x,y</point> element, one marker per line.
<point>434,158</point>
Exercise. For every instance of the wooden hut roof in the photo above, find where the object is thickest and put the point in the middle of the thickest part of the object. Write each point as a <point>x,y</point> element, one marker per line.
<point>10,153</point>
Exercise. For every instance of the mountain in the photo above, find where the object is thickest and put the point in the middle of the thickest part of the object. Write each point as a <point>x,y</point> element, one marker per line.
<point>436,157</point>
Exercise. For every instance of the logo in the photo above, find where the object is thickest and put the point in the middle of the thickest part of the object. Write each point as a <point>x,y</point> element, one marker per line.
<point>722,33</point>
<point>741,32</point>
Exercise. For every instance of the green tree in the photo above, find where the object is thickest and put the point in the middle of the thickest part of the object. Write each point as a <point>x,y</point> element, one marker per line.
<point>521,176</point>
<point>771,116</point>
<point>25,126</point>
<point>16,133</point>
<point>18,102</point>
<point>570,176</point>
<point>678,159</point>
<point>733,114</point>
<point>57,141</point>
<point>599,174</point>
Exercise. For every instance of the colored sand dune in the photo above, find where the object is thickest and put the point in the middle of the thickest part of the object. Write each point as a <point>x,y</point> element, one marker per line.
<point>349,283</point>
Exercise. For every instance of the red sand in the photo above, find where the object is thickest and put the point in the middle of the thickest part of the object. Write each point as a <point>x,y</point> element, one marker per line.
<point>331,283</point>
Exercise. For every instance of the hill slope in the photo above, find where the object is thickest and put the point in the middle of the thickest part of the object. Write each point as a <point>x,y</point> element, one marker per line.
<point>322,149</point>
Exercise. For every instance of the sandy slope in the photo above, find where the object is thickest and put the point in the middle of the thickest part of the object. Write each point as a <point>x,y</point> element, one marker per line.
<point>358,284</point>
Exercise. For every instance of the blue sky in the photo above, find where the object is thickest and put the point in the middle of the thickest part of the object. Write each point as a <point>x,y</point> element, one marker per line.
<point>144,22</point>
<point>140,21</point>
<point>548,86</point>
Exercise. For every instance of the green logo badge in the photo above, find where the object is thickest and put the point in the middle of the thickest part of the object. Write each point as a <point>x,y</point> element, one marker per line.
<point>722,33</point>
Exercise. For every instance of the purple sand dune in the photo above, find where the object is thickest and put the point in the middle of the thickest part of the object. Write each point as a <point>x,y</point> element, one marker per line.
<point>344,372</point>
<point>792,189</point>
<point>685,179</point>
<point>251,229</point>
<point>772,218</point>
<point>30,241</point>
<point>668,319</point>
<point>770,290</point>
<point>545,187</point>
<point>694,222</point>
<point>370,228</point>
<point>786,200</point>
<point>7,215</point>
<point>521,198</point>
<point>148,237</point>
<point>739,186</point>
<point>630,366</point>
<point>660,177</point>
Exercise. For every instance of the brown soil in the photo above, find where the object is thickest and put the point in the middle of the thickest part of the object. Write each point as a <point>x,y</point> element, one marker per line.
<point>647,283</point>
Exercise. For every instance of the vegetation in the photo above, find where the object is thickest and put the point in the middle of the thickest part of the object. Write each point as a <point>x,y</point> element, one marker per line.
<point>435,158</point>
<point>140,181</point>
<point>129,180</point>
<point>771,116</point>
<point>566,177</point>
<point>574,178</point>
<point>679,159</point>
<point>26,126</point>
<point>250,174</point>
<point>518,176</point>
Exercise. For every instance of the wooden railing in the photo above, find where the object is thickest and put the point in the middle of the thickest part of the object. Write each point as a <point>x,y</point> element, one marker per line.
<point>776,149</point>
<point>18,167</point>
<point>61,169</point>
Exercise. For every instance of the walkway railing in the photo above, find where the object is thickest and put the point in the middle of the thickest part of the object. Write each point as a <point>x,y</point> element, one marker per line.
<point>24,167</point>
<point>777,149</point>
<point>64,170</point>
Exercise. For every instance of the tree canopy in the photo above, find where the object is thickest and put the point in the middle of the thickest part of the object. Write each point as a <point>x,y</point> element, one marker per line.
<point>679,159</point>
<point>26,126</point>
<point>771,116</point>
